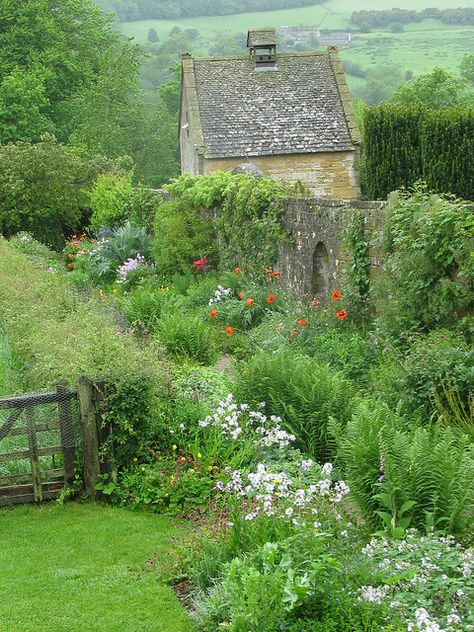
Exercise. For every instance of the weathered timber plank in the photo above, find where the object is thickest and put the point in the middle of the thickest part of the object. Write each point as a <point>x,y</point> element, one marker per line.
<point>14,456</point>
<point>46,475</point>
<point>90,443</point>
<point>5,430</point>
<point>53,425</point>
<point>32,399</point>
<point>25,494</point>
<point>54,449</point>
<point>34,458</point>
<point>26,454</point>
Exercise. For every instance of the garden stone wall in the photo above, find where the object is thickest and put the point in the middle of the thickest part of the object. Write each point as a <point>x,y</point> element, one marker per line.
<point>316,258</point>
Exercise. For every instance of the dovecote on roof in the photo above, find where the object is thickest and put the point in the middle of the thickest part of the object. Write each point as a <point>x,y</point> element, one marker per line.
<point>262,44</point>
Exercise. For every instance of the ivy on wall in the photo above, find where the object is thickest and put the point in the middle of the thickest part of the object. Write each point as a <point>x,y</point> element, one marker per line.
<point>245,211</point>
<point>403,144</point>
<point>358,249</point>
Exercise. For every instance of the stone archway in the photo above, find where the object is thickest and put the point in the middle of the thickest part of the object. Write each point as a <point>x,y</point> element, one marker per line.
<point>320,273</point>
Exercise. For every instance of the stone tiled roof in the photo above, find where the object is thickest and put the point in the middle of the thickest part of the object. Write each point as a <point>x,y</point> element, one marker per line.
<point>301,107</point>
<point>262,37</point>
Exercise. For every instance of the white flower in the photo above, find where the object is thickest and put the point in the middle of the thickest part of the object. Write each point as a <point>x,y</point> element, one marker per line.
<point>327,469</point>
<point>371,594</point>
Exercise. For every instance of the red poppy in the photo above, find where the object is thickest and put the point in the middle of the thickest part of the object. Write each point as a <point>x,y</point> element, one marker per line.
<point>249,302</point>
<point>200,263</point>
<point>336,295</point>
<point>294,330</point>
<point>271,299</point>
<point>268,271</point>
<point>241,294</point>
<point>70,256</point>
<point>276,274</point>
<point>302,322</point>
<point>212,313</point>
<point>342,314</point>
<point>237,270</point>
<point>229,331</point>
<point>314,303</point>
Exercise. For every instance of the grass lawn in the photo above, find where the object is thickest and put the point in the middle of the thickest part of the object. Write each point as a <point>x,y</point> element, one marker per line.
<point>10,381</point>
<point>83,568</point>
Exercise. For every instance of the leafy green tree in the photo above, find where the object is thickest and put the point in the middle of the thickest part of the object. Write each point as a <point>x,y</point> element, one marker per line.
<point>72,42</point>
<point>467,68</point>
<point>44,189</point>
<point>152,36</point>
<point>381,81</point>
<point>437,89</point>
<point>23,106</point>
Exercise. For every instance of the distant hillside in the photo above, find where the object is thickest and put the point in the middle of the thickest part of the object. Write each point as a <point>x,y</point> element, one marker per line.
<point>131,10</point>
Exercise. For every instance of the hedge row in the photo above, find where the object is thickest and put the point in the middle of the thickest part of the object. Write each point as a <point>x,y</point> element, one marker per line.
<point>404,144</point>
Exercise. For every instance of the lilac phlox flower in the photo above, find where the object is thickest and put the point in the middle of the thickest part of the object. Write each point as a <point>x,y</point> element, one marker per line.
<point>129,266</point>
<point>307,465</point>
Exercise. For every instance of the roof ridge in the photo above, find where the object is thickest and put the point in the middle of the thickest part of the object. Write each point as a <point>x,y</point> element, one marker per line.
<point>314,53</point>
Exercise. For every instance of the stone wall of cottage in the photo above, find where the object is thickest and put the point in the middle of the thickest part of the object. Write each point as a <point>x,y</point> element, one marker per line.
<point>331,174</point>
<point>315,259</point>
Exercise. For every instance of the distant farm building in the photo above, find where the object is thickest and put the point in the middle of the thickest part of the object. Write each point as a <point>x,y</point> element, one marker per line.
<point>287,114</point>
<point>305,36</point>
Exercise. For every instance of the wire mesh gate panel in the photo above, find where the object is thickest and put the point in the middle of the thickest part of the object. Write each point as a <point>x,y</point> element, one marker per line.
<point>38,440</point>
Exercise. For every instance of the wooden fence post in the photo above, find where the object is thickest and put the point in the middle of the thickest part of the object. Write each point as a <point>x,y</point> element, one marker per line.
<point>104,432</point>
<point>90,443</point>
<point>34,459</point>
<point>66,431</point>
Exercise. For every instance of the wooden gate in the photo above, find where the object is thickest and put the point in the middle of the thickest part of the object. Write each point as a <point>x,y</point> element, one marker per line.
<point>37,445</point>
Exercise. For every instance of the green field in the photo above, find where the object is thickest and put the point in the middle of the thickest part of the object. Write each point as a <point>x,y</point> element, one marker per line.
<point>421,47</point>
<point>86,568</point>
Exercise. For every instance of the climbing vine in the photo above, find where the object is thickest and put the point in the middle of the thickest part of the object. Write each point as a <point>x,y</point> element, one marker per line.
<point>246,212</point>
<point>358,248</point>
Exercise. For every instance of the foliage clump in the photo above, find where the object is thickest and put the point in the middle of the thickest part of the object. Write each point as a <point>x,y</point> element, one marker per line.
<point>245,212</point>
<point>406,143</point>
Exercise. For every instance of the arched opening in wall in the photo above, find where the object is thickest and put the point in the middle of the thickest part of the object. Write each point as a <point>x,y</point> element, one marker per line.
<point>320,276</point>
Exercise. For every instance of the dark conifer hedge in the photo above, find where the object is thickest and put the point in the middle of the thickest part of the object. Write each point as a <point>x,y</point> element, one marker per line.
<point>403,144</point>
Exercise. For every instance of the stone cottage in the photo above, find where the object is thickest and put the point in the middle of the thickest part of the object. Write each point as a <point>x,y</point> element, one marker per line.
<point>288,115</point>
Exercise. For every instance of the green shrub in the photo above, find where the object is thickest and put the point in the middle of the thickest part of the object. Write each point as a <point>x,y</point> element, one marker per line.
<point>144,306</point>
<point>108,199</point>
<point>44,189</point>
<point>246,214</point>
<point>264,589</point>
<point>388,464</point>
<point>140,207</point>
<point>407,143</point>
<point>188,337</point>
<point>181,236</point>
<point>301,391</point>
<point>56,335</point>
<point>438,366</point>
<point>427,279</point>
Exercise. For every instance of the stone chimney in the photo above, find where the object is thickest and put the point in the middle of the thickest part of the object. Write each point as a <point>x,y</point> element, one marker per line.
<point>262,45</point>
